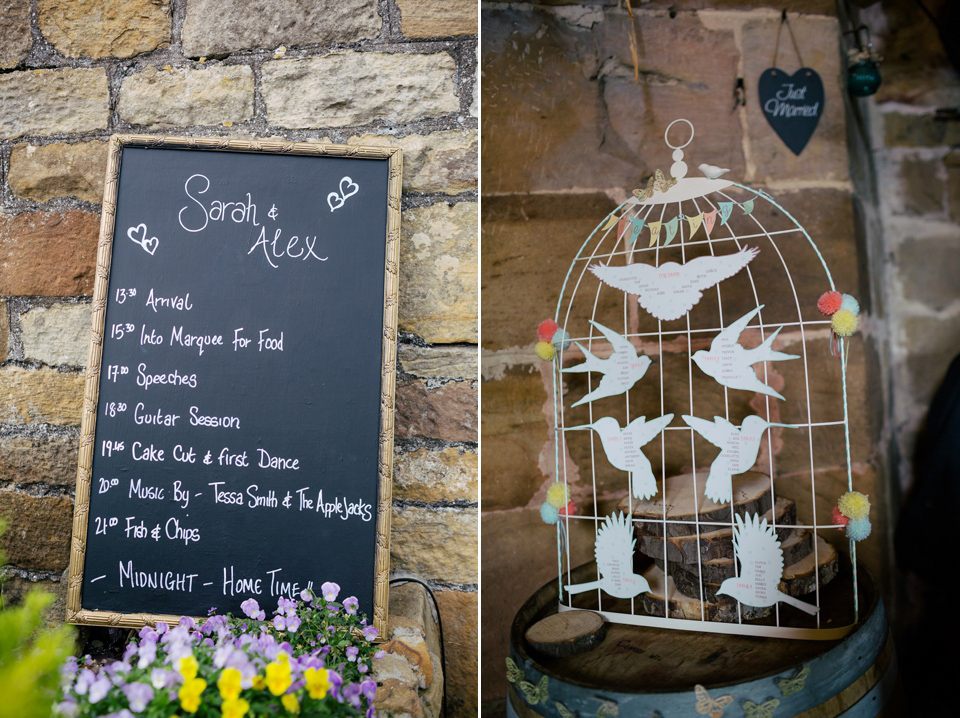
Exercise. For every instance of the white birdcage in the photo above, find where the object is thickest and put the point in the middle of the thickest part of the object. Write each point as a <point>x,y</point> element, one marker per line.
<point>653,306</point>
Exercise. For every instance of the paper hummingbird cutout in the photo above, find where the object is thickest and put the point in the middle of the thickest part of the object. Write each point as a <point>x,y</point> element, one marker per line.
<point>621,370</point>
<point>731,365</point>
<point>614,553</point>
<point>670,290</point>
<point>622,447</point>
<point>738,450</point>
<point>761,566</point>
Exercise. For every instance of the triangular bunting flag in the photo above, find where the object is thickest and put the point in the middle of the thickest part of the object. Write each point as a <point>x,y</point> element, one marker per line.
<point>708,219</point>
<point>654,231</point>
<point>725,209</point>
<point>609,223</point>
<point>622,226</point>
<point>636,225</point>
<point>747,206</point>
<point>671,228</point>
<point>695,223</point>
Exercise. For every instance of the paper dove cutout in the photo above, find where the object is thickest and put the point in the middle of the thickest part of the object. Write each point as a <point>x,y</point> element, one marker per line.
<point>738,450</point>
<point>731,365</point>
<point>712,171</point>
<point>622,447</point>
<point>621,370</point>
<point>614,553</point>
<point>670,290</point>
<point>761,566</point>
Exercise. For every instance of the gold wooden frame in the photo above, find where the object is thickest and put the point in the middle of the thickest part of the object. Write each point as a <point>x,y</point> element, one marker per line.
<point>394,156</point>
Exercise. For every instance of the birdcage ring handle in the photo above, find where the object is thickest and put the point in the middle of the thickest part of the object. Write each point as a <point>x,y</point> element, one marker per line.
<point>667,132</point>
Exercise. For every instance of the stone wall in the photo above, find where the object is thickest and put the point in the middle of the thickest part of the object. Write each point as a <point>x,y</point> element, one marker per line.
<point>400,72</point>
<point>567,134</point>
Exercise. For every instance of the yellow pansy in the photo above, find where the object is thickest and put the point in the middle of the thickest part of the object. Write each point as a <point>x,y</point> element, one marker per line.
<point>278,677</point>
<point>188,667</point>
<point>235,708</point>
<point>318,682</point>
<point>190,693</point>
<point>291,703</point>
<point>230,683</point>
<point>258,683</point>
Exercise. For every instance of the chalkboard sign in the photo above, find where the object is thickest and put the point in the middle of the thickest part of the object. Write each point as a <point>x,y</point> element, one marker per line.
<point>237,434</point>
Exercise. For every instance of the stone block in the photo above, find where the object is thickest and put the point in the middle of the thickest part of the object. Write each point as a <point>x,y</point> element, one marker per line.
<point>395,87</point>
<point>34,396</point>
<point>218,27</point>
<point>444,161</point>
<point>15,589</point>
<point>40,460</point>
<point>902,130</point>
<point>460,612</point>
<point>411,614</point>
<point>440,362</point>
<point>932,342</point>
<point>436,544</point>
<point>450,474</point>
<point>824,159</point>
<point>922,189</point>
<point>46,102</point>
<point>59,170</point>
<point>932,283</point>
<point>97,29</point>
<point>396,698</point>
<point>515,431</point>
<point>57,335</point>
<point>580,120</point>
<point>48,253</point>
<point>38,531</point>
<point>4,331</point>
<point>437,18</point>
<point>438,272</point>
<point>185,96</point>
<point>448,412</point>
<point>15,37</point>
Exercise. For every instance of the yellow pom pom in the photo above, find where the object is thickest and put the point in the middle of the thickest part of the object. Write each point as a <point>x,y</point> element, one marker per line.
<point>546,351</point>
<point>854,505</point>
<point>844,322</point>
<point>558,496</point>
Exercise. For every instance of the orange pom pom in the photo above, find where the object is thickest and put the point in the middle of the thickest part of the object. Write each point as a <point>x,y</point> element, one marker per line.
<point>546,330</point>
<point>829,303</point>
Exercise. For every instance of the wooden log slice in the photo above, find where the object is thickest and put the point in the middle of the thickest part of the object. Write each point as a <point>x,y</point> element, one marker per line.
<point>797,545</point>
<point>798,579</point>
<point>680,605</point>
<point>566,634</point>
<point>714,544</point>
<point>686,502</point>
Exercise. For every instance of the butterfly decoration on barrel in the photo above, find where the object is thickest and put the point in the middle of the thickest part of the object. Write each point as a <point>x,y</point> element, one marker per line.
<point>726,544</point>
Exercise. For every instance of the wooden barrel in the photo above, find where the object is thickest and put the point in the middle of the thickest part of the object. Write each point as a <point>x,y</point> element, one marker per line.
<point>644,672</point>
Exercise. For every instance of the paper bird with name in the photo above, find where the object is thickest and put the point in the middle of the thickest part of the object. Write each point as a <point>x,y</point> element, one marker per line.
<point>622,447</point>
<point>738,446</point>
<point>614,553</point>
<point>671,290</point>
<point>757,548</point>
<point>621,370</point>
<point>732,365</point>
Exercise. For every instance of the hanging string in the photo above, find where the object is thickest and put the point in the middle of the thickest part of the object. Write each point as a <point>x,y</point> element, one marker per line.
<point>776,48</point>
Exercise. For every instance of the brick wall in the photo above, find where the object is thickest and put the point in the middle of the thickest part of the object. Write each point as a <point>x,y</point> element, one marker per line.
<point>567,134</point>
<point>74,73</point>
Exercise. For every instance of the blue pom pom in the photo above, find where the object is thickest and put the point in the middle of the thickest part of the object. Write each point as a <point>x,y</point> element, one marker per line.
<point>561,339</point>
<point>549,514</point>
<point>859,529</point>
<point>850,304</point>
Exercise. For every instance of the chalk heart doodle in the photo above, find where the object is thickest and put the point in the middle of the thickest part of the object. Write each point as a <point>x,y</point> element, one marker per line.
<point>139,235</point>
<point>792,104</point>
<point>348,188</point>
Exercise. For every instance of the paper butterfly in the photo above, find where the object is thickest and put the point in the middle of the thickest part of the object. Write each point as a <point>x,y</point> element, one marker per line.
<point>534,693</point>
<point>789,686</point>
<point>752,710</point>
<point>658,182</point>
<point>711,706</point>
<point>514,674</point>
<point>608,710</point>
<point>564,711</point>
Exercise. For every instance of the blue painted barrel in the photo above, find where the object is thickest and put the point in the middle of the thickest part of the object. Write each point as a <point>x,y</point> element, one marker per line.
<point>642,672</point>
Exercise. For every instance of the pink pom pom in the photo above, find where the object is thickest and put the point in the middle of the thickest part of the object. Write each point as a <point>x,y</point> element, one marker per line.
<point>829,303</point>
<point>568,510</point>
<point>546,330</point>
<point>838,518</point>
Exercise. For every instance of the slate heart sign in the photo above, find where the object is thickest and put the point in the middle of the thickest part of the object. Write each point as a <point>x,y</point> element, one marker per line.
<point>792,104</point>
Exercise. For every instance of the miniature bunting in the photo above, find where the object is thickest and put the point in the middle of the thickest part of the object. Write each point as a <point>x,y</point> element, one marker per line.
<point>621,370</point>
<point>671,290</point>
<point>611,220</point>
<point>654,231</point>
<point>636,225</point>
<point>747,206</point>
<point>726,208</point>
<point>622,447</point>
<point>622,226</point>
<point>708,220</point>
<point>738,446</point>
<point>732,365</point>
<point>614,553</point>
<point>671,228</point>
<point>695,223</point>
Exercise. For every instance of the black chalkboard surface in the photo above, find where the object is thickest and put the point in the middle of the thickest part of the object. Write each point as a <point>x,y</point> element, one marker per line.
<point>238,424</point>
